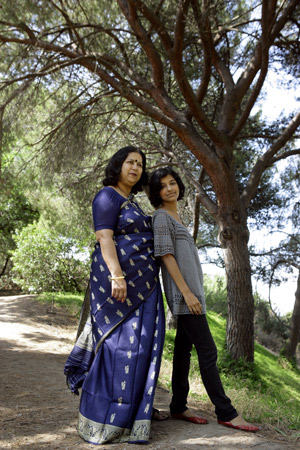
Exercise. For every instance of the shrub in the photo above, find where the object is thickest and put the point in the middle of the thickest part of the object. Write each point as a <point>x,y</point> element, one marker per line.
<point>216,294</point>
<point>47,261</point>
<point>270,330</point>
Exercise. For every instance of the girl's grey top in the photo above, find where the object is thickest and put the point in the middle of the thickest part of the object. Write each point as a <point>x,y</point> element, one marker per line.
<point>172,237</point>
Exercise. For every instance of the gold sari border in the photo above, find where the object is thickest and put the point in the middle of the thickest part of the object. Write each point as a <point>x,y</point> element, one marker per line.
<point>100,433</point>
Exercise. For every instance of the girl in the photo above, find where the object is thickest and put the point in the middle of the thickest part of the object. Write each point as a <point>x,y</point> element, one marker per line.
<point>183,285</point>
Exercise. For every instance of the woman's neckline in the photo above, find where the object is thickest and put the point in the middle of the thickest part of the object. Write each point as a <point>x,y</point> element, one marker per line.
<point>121,195</point>
<point>177,221</point>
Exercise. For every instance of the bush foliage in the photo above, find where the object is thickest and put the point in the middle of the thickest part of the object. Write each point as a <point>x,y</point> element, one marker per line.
<point>216,294</point>
<point>47,261</point>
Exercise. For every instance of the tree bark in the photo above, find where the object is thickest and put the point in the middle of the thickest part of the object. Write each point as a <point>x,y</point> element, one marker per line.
<point>196,217</point>
<point>171,321</point>
<point>233,237</point>
<point>5,265</point>
<point>291,348</point>
<point>240,332</point>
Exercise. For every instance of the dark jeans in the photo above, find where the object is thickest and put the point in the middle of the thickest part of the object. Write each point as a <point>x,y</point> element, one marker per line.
<point>193,329</point>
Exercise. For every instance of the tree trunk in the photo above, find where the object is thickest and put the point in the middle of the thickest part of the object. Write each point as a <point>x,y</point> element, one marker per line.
<point>4,267</point>
<point>233,237</point>
<point>295,325</point>
<point>196,217</point>
<point>171,321</point>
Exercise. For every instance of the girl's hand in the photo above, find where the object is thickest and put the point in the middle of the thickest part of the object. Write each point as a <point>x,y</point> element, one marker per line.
<point>119,289</point>
<point>193,303</point>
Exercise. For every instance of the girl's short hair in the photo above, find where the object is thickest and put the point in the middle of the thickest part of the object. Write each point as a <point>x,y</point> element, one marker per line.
<point>155,184</point>
<point>114,167</point>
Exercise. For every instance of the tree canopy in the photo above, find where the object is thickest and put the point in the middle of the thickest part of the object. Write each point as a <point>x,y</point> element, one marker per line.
<point>184,75</point>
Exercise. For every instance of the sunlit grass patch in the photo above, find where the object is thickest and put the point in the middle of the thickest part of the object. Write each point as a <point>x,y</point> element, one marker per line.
<point>72,302</point>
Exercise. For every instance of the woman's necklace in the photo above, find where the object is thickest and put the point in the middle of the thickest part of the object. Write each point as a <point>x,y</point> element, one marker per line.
<point>124,194</point>
<point>130,200</point>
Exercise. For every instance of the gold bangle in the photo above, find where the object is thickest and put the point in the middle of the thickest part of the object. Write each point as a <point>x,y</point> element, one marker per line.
<point>117,278</point>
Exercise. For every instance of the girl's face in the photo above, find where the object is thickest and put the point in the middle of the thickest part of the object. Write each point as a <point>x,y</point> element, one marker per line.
<point>132,169</point>
<point>169,192</point>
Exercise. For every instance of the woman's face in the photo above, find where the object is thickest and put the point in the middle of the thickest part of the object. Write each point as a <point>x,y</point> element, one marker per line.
<point>132,169</point>
<point>169,192</point>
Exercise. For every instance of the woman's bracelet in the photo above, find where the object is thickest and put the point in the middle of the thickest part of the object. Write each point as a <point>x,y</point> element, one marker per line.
<point>117,278</point>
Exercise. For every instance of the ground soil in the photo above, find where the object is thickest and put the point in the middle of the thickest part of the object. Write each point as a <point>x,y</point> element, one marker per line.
<point>37,411</point>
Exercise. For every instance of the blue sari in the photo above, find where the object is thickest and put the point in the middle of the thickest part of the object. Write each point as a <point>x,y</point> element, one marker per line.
<point>116,358</point>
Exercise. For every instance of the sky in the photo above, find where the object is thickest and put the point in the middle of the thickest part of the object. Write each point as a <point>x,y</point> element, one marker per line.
<point>278,99</point>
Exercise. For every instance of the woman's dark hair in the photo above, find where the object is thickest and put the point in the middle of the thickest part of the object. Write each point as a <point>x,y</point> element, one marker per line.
<point>114,167</point>
<point>155,184</point>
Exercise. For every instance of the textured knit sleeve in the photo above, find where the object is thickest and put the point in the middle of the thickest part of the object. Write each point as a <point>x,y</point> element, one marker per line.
<point>106,208</point>
<point>164,234</point>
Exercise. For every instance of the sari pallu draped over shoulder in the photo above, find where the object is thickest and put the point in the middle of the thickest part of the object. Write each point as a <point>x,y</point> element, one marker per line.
<point>117,355</point>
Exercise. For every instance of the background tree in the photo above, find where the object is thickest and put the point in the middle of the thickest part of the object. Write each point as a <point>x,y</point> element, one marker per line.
<point>294,245</point>
<point>294,335</point>
<point>286,258</point>
<point>291,348</point>
<point>195,67</point>
<point>283,257</point>
<point>15,213</point>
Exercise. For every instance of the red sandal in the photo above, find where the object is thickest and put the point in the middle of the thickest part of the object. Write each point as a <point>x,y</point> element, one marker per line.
<point>251,428</point>
<point>192,419</point>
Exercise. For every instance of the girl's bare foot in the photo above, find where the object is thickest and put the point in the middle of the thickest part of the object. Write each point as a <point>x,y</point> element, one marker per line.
<point>239,420</point>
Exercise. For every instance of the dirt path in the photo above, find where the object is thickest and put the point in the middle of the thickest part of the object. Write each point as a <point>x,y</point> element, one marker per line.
<point>36,410</point>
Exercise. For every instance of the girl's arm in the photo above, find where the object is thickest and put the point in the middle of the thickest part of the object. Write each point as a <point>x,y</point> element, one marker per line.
<point>109,253</point>
<point>190,299</point>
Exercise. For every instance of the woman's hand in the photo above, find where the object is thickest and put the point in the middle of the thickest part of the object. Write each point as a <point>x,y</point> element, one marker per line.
<point>193,303</point>
<point>190,299</point>
<point>119,289</point>
<point>109,253</point>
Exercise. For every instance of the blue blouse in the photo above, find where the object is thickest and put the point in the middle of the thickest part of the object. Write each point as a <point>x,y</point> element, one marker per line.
<point>106,207</point>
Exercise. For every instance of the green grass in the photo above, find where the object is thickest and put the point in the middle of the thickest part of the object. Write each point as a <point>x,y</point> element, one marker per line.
<point>72,302</point>
<point>267,392</point>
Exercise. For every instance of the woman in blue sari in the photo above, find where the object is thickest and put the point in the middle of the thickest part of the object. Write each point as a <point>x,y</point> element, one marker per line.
<point>116,358</point>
